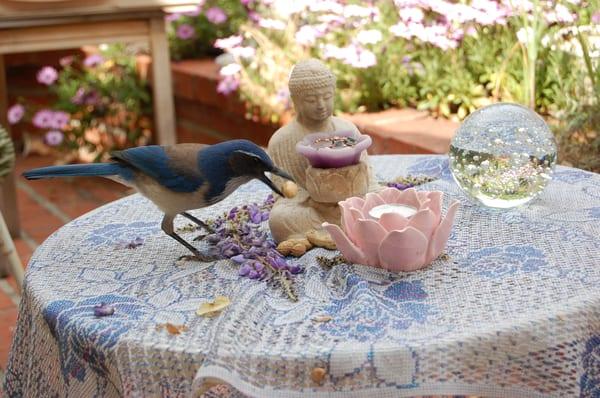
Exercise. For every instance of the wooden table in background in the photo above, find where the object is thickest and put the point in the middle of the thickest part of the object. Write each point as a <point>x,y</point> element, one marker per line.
<point>34,25</point>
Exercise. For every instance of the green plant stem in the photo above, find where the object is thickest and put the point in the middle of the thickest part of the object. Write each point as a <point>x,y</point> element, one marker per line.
<point>588,63</point>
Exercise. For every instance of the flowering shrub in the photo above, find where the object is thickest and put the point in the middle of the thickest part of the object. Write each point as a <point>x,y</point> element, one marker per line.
<point>447,57</point>
<point>193,33</point>
<point>100,104</point>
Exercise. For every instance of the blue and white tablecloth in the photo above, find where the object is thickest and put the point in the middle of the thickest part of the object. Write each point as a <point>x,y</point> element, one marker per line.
<point>513,312</point>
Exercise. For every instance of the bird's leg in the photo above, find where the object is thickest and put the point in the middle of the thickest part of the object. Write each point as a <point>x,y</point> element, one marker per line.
<point>199,222</point>
<point>167,227</point>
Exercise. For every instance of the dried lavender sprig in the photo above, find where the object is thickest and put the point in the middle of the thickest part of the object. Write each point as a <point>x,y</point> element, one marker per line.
<point>238,237</point>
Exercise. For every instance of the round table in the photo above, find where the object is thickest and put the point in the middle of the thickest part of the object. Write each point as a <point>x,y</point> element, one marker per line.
<point>513,310</point>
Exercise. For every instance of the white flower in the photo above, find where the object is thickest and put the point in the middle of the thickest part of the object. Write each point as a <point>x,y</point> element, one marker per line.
<point>412,14</point>
<point>230,70</point>
<point>228,42</point>
<point>525,35</point>
<point>326,6</point>
<point>269,23</point>
<point>286,8</point>
<point>243,52</point>
<point>307,35</point>
<point>371,36</point>
<point>353,10</point>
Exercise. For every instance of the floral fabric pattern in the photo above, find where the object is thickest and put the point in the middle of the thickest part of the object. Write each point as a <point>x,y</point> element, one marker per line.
<point>515,297</point>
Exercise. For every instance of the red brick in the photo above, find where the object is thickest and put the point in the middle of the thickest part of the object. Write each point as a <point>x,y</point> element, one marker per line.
<point>405,131</point>
<point>24,251</point>
<point>13,283</point>
<point>37,222</point>
<point>217,120</point>
<point>5,301</point>
<point>8,320</point>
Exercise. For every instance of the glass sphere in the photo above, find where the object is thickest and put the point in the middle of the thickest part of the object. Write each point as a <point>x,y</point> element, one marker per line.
<point>503,155</point>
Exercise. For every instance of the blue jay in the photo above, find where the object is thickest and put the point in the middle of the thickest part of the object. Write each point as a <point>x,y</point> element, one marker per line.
<point>181,177</point>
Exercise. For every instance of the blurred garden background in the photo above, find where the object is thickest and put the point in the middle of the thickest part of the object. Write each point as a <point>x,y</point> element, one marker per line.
<point>408,71</point>
<point>446,58</point>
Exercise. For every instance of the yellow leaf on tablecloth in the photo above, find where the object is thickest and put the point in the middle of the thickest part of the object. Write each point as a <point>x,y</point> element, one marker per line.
<point>213,308</point>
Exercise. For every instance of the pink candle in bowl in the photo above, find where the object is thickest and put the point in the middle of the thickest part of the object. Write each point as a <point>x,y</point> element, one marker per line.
<point>333,150</point>
<point>392,229</point>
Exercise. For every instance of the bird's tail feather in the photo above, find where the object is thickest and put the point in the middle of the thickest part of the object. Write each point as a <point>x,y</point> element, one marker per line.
<point>73,170</point>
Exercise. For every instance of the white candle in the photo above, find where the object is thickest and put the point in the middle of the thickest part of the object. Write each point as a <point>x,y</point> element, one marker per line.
<point>406,211</point>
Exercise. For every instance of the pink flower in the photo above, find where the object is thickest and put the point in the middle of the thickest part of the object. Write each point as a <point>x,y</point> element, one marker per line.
<point>93,60</point>
<point>172,17</point>
<point>60,120</point>
<point>185,31</point>
<point>15,113</point>
<point>54,137</point>
<point>216,15</point>
<point>47,75</point>
<point>66,61</point>
<point>43,119</point>
<point>392,241</point>
<point>596,17</point>
<point>228,85</point>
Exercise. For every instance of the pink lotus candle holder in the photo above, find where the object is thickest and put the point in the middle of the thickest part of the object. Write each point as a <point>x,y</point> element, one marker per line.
<point>333,150</point>
<point>392,229</point>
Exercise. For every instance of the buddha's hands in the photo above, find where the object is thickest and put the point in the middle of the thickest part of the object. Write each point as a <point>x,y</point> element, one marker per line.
<point>336,184</point>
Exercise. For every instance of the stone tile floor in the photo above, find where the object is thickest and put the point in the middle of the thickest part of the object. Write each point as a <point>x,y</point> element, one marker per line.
<point>44,206</point>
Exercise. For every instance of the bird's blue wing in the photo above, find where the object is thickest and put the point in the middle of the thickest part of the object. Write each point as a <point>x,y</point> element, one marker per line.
<point>154,161</point>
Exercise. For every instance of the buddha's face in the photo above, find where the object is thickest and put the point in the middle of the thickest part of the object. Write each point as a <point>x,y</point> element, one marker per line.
<point>315,106</point>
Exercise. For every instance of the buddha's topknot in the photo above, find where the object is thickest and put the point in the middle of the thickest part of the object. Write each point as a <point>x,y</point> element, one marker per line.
<point>309,75</point>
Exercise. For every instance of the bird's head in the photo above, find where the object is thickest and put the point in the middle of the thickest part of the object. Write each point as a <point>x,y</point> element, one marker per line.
<point>251,161</point>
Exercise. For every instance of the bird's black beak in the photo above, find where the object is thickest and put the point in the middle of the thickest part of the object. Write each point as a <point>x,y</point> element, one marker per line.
<point>270,184</point>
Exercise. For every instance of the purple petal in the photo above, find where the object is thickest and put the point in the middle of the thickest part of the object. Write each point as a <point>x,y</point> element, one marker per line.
<point>103,309</point>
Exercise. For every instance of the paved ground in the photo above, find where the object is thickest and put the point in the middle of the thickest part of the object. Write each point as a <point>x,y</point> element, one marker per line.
<point>44,206</point>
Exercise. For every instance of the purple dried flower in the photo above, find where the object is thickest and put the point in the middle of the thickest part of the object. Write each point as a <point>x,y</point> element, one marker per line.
<point>294,269</point>
<point>47,75</point>
<point>131,244</point>
<point>239,258</point>
<point>216,15</point>
<point>233,213</point>
<point>245,269</point>
<point>277,262</point>
<point>253,274</point>
<point>399,185</point>
<point>54,137</point>
<point>185,31</point>
<point>43,119</point>
<point>93,60</point>
<point>596,17</point>
<point>255,214</point>
<point>230,249</point>
<point>15,113</point>
<point>103,309</point>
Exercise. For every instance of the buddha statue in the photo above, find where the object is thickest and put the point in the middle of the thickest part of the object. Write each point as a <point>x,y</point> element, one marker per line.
<point>295,222</point>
